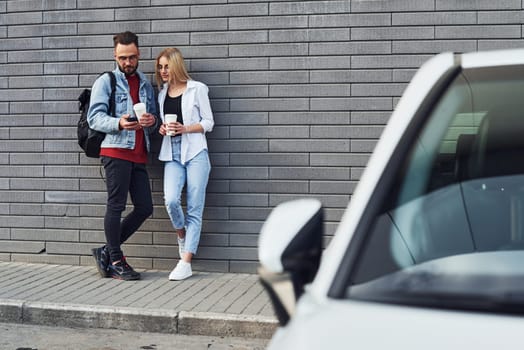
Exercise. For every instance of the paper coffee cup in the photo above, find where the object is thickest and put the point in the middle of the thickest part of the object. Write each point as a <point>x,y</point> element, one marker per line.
<point>170,118</point>
<point>139,108</point>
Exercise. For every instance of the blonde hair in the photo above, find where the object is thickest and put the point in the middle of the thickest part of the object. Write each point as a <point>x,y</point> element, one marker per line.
<point>177,67</point>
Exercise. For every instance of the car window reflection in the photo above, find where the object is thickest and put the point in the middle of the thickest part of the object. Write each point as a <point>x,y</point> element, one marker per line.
<point>459,194</point>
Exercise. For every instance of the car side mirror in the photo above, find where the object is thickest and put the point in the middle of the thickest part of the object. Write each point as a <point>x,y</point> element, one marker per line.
<point>290,247</point>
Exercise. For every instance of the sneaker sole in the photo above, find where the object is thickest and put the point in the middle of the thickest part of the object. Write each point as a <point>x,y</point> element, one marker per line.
<point>126,278</point>
<point>101,271</point>
<point>180,278</point>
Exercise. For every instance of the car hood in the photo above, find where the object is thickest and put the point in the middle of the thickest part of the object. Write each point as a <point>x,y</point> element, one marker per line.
<point>344,324</point>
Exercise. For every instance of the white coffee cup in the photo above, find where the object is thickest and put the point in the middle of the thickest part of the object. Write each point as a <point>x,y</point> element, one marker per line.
<point>170,118</point>
<point>140,109</point>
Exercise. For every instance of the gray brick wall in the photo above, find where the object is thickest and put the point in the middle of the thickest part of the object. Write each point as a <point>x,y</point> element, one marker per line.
<point>301,91</point>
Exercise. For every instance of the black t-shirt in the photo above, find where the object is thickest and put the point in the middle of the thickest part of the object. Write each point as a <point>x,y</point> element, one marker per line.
<point>173,105</point>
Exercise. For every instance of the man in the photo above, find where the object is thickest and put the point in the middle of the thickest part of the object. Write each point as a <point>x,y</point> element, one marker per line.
<point>123,153</point>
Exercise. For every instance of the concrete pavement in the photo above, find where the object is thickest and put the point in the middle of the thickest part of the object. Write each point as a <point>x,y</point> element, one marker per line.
<point>218,304</point>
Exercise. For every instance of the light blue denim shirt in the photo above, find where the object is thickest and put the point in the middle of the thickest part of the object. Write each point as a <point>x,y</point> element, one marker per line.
<point>99,118</point>
<point>196,109</point>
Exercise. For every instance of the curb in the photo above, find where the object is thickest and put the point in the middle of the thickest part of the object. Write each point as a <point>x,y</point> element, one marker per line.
<point>135,319</point>
<point>11,311</point>
<point>226,325</point>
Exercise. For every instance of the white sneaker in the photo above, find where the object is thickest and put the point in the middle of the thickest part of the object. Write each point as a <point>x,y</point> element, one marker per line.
<point>181,271</point>
<point>181,244</point>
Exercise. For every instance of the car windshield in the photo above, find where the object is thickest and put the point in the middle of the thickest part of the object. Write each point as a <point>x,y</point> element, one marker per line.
<point>452,227</point>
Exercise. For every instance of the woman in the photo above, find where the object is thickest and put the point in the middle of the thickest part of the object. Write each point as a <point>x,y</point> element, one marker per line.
<point>184,151</point>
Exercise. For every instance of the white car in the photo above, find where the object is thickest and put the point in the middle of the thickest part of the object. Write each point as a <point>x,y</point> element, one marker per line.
<point>430,251</point>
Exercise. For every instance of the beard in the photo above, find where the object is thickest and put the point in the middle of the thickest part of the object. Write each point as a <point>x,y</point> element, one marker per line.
<point>129,69</point>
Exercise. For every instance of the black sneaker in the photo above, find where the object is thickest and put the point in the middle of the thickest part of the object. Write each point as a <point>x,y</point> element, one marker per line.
<point>133,272</point>
<point>122,271</point>
<point>101,256</point>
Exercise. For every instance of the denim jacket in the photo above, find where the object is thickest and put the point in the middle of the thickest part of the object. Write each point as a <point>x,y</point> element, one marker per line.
<point>99,118</point>
<point>195,109</point>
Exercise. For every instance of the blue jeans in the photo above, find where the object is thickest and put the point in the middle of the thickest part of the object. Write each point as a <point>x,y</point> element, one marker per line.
<point>194,174</point>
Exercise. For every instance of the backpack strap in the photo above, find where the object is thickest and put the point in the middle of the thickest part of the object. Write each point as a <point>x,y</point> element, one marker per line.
<point>113,89</point>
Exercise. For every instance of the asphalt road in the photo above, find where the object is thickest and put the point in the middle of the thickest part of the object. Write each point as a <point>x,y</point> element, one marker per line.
<point>30,337</point>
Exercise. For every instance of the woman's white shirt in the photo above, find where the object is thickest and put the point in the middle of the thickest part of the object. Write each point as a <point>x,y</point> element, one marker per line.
<point>195,109</point>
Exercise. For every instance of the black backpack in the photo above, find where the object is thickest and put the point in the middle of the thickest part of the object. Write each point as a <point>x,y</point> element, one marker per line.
<point>89,139</point>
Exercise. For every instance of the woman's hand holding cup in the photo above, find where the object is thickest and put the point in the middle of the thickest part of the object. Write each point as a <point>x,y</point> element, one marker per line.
<point>170,125</point>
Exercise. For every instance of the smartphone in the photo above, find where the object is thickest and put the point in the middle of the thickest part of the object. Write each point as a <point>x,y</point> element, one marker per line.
<point>132,119</point>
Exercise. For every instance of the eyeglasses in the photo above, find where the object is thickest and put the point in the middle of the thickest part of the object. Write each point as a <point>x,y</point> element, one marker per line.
<point>131,58</point>
<point>161,68</point>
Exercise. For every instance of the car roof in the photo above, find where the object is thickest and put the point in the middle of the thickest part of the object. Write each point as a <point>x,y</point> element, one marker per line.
<point>492,58</point>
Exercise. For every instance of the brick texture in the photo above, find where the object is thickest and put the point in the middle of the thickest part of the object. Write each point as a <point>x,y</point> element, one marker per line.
<point>301,91</point>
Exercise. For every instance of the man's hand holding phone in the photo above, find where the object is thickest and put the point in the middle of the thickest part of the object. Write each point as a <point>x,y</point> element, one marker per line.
<point>129,122</point>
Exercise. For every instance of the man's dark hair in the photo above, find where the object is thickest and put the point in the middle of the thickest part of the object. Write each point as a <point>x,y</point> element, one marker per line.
<point>125,38</point>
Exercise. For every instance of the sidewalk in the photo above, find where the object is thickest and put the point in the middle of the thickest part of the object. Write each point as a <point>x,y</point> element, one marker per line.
<point>214,304</point>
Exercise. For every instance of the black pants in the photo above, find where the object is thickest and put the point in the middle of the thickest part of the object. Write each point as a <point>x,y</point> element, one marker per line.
<point>122,177</point>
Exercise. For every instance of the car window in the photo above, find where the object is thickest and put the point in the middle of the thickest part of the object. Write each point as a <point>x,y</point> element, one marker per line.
<point>453,222</point>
